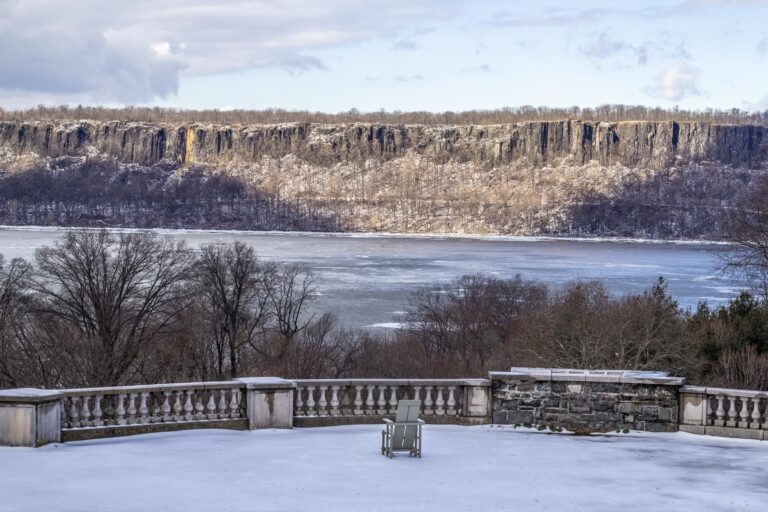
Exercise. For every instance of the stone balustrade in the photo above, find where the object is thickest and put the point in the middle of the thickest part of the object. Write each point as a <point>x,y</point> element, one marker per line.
<point>579,400</point>
<point>146,405</point>
<point>334,401</point>
<point>724,412</point>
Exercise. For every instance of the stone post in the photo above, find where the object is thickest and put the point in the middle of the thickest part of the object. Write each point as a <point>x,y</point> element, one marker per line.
<point>30,417</point>
<point>477,398</point>
<point>269,402</point>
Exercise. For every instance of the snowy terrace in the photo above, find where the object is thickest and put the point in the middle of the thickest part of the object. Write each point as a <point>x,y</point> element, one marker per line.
<point>464,468</point>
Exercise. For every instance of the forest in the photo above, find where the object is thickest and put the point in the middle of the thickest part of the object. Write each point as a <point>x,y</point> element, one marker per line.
<point>608,113</point>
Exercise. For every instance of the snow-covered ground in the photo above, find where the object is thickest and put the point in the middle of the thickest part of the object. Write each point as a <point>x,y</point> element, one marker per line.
<point>340,469</point>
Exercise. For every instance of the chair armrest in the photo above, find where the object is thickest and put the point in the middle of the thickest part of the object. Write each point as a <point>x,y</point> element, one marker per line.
<point>422,422</point>
<point>387,420</point>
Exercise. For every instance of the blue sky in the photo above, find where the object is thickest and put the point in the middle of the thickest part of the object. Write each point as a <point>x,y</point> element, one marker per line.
<point>397,55</point>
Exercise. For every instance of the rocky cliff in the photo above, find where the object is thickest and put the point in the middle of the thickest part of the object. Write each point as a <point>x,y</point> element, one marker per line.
<point>662,179</point>
<point>631,144</point>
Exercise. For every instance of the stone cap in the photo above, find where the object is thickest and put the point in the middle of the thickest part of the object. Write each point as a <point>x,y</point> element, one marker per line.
<point>29,395</point>
<point>575,375</point>
<point>266,383</point>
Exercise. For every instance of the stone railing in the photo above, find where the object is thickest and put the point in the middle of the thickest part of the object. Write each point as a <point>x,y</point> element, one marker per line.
<point>724,412</point>
<point>114,408</point>
<point>335,401</point>
<point>579,400</point>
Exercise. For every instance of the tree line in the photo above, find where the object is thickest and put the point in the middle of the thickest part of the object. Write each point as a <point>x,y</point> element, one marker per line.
<point>608,113</point>
<point>99,308</point>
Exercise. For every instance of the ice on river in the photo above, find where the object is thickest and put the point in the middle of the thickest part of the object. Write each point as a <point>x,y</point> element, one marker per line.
<point>367,279</point>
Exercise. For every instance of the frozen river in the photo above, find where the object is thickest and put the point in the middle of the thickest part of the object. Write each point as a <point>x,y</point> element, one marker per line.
<point>366,279</point>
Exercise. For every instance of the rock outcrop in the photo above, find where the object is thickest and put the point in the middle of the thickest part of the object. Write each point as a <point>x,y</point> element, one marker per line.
<point>656,179</point>
<point>654,145</point>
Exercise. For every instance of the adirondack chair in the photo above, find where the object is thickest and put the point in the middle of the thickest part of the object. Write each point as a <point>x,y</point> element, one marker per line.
<point>403,434</point>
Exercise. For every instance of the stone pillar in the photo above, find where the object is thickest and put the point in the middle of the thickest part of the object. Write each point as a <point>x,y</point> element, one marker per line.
<point>477,398</point>
<point>269,402</point>
<point>30,417</point>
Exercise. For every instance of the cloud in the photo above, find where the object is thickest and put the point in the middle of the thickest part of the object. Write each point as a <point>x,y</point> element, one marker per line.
<point>408,78</point>
<point>602,47</point>
<point>679,81</point>
<point>136,51</point>
<point>762,45</point>
<point>405,45</point>
<point>482,68</point>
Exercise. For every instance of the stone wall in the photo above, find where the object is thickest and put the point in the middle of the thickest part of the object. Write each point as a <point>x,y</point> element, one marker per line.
<point>586,401</point>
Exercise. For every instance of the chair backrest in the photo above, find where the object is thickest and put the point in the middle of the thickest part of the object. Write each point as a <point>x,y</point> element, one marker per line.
<point>408,411</point>
<point>404,436</point>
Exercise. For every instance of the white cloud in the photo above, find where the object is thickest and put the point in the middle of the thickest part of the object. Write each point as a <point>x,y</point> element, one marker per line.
<point>601,47</point>
<point>679,81</point>
<point>136,51</point>
<point>762,45</point>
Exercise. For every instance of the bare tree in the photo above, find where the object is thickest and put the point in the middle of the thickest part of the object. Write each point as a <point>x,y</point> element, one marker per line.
<point>233,290</point>
<point>749,233</point>
<point>106,297</point>
<point>17,361</point>
<point>292,288</point>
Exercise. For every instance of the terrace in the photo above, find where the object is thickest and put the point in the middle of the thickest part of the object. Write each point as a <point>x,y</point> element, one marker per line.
<point>497,443</point>
<point>340,468</point>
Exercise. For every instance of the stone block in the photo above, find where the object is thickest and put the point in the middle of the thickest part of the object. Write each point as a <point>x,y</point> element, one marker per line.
<point>500,418</point>
<point>269,402</point>
<point>579,408</point>
<point>30,417</point>
<point>523,417</point>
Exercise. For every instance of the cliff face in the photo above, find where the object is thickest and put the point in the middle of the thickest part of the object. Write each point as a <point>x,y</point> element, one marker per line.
<point>631,144</point>
<point>570,177</point>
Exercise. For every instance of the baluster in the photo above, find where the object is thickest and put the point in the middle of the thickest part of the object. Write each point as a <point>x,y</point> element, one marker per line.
<point>428,411</point>
<point>369,403</point>
<point>199,407</point>
<point>439,402</point>
<point>156,409</point>
<point>97,412</point>
<point>345,400</point>
<point>86,413</point>
<point>311,401</point>
<point>358,410</point>
<point>732,412</point>
<point>382,401</point>
<point>177,406</point>
<point>234,404</point>
<point>393,400</point>
<point>720,413</point>
<point>223,404</point>
<point>417,393</point>
<point>322,404</point>
<point>744,414</point>
<point>131,408</point>
<point>755,423</point>
<point>120,411</point>
<point>335,401</point>
<point>143,409</point>
<point>451,401</point>
<point>211,406</point>
<point>166,408</point>
<point>298,409</point>
<point>188,407</point>
<point>74,415</point>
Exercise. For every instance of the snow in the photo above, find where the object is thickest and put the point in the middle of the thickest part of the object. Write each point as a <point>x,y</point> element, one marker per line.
<point>340,469</point>
<point>29,393</point>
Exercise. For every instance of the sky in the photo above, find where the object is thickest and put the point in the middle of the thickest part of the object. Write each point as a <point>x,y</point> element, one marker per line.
<point>335,55</point>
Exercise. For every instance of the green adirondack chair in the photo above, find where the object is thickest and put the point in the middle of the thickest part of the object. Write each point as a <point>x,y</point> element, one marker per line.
<point>403,434</point>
